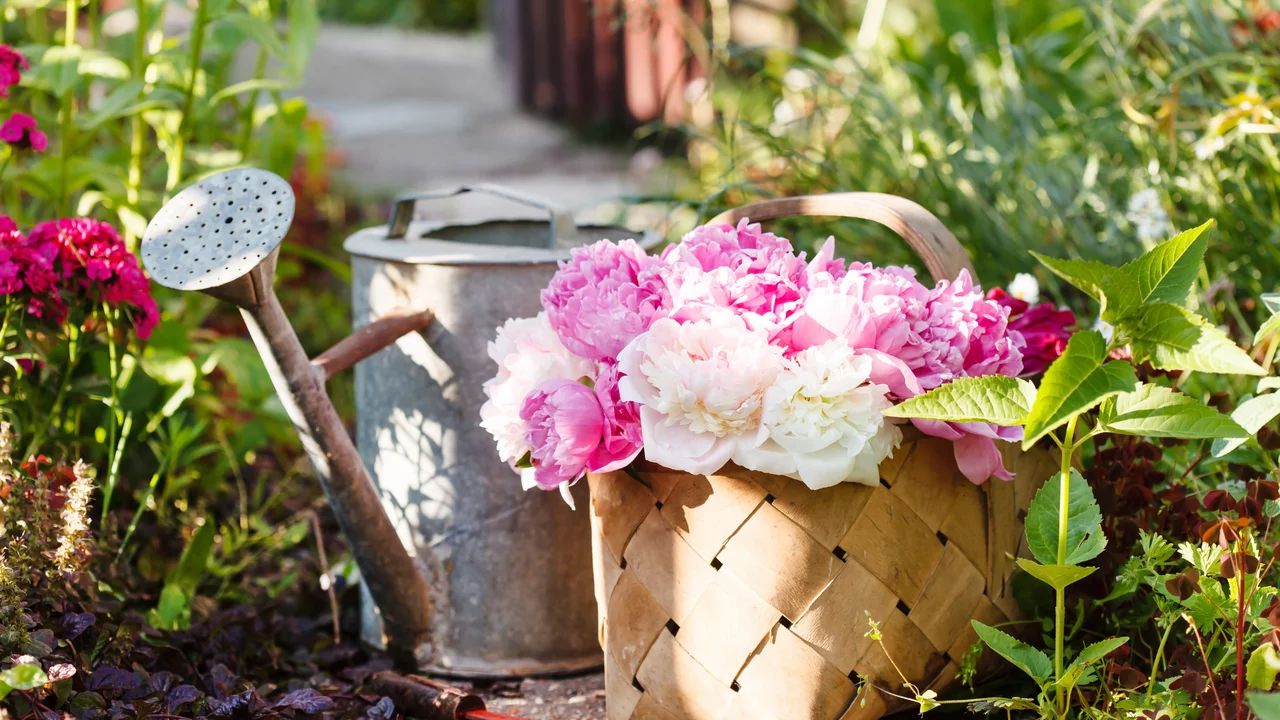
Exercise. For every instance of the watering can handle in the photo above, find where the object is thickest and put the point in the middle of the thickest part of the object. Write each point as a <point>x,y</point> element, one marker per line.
<point>563,227</point>
<point>942,254</point>
<point>370,339</point>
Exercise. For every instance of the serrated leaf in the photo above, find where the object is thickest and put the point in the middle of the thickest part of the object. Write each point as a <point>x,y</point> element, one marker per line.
<point>1251,415</point>
<point>1085,540</point>
<point>1055,576</point>
<point>1265,706</point>
<point>1167,271</point>
<point>1271,300</point>
<point>1158,411</point>
<point>1110,286</point>
<point>1031,661</point>
<point>1076,382</point>
<point>1090,654</point>
<point>992,398</point>
<point>1174,338</point>
<point>1271,325</point>
<point>1263,665</point>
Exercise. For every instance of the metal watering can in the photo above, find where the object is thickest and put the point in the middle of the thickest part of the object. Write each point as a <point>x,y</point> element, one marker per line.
<point>511,571</point>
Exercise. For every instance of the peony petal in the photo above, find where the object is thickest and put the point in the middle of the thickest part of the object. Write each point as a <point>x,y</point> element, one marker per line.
<point>825,468</point>
<point>979,458</point>
<point>892,372</point>
<point>567,496</point>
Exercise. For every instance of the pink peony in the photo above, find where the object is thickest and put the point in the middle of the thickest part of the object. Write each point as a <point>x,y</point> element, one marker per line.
<point>20,131</point>
<point>12,63</point>
<point>622,437</point>
<point>528,352</point>
<point>700,386</point>
<point>565,427</point>
<point>602,298</point>
<point>870,308</point>
<point>743,269</point>
<point>962,334</point>
<point>1044,328</point>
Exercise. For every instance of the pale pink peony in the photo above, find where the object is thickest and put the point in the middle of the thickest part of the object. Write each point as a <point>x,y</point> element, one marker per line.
<point>603,297</point>
<point>527,352</point>
<point>741,268</point>
<point>700,386</point>
<point>565,428</point>
<point>964,335</point>
<point>974,444</point>
<point>870,308</point>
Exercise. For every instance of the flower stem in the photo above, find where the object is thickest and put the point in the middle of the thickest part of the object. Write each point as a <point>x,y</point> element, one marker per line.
<point>1060,607</point>
<point>133,186</point>
<point>73,358</point>
<point>115,441</point>
<point>68,101</point>
<point>1155,664</point>
<point>188,98</point>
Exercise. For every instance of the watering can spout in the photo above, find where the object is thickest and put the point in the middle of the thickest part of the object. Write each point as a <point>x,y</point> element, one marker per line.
<point>221,236</point>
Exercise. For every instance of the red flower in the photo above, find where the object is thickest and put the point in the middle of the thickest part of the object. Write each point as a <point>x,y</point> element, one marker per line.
<point>1044,327</point>
<point>1268,21</point>
<point>12,63</point>
<point>20,131</point>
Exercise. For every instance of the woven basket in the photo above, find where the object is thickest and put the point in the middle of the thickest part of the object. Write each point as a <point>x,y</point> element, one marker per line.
<point>743,594</point>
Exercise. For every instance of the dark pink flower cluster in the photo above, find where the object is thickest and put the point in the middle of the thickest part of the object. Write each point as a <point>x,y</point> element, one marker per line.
<point>12,63</point>
<point>1045,328</point>
<point>21,132</point>
<point>74,260</point>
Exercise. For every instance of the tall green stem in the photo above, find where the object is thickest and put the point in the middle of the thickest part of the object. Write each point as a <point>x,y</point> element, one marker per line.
<point>64,384</point>
<point>1060,608</point>
<point>246,132</point>
<point>68,101</point>
<point>133,187</point>
<point>188,97</point>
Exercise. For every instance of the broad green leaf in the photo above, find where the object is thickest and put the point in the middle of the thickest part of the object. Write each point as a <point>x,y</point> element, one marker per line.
<point>1265,706</point>
<point>249,86</point>
<point>1112,287</point>
<point>1085,540</point>
<point>1166,272</point>
<point>1268,383</point>
<point>194,559</point>
<point>115,102</point>
<point>256,29</point>
<point>60,66</point>
<point>1263,665</point>
<point>24,677</point>
<point>1090,654</point>
<point>169,611</point>
<point>1076,382</point>
<point>1055,576</point>
<point>1251,415</point>
<point>1174,338</point>
<point>1271,300</point>
<point>304,29</point>
<point>1271,325</point>
<point>1026,658</point>
<point>993,398</point>
<point>100,64</point>
<point>1158,411</point>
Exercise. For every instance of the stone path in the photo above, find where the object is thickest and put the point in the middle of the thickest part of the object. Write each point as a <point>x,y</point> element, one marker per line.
<point>416,111</point>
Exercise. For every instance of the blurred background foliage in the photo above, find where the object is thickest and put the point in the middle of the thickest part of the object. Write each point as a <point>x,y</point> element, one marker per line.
<point>1077,129</point>
<point>422,14</point>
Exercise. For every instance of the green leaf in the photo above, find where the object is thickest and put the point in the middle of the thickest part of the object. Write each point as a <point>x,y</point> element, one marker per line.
<point>1268,383</point>
<point>61,67</point>
<point>1055,576</point>
<point>1271,300</point>
<point>1263,665</point>
<point>1251,415</point>
<point>1076,382</point>
<point>1167,271</point>
<point>256,29</point>
<point>992,398</point>
<point>1090,654</point>
<point>1271,325</point>
<point>1026,658</point>
<point>304,29</point>
<point>194,559</point>
<point>27,676</point>
<point>1158,411</point>
<point>1265,706</point>
<point>1174,338</point>
<point>249,86</point>
<point>1085,540</point>
<point>1112,287</point>
<point>114,103</point>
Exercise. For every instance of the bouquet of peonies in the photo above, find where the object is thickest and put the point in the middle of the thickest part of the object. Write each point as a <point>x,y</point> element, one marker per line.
<point>731,347</point>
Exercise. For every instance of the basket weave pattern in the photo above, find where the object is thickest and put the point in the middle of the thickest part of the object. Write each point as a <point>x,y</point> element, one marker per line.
<point>742,594</point>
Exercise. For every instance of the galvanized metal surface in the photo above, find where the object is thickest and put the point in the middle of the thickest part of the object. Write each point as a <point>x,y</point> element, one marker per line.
<point>216,236</point>
<point>512,582</point>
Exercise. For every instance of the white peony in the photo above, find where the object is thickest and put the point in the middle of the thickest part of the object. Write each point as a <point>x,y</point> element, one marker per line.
<point>824,420</point>
<point>527,351</point>
<point>700,386</point>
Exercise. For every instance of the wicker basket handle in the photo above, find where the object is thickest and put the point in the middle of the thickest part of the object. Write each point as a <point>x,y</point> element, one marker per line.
<point>924,232</point>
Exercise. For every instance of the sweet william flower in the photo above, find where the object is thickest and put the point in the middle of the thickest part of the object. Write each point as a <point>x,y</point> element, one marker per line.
<point>824,420</point>
<point>565,427</point>
<point>700,386</point>
<point>12,63</point>
<point>21,132</point>
<point>604,296</point>
<point>527,352</point>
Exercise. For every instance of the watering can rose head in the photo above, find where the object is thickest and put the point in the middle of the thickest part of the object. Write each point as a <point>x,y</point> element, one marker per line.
<point>732,347</point>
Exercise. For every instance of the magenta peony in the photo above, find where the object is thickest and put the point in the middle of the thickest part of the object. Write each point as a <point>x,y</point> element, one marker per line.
<point>565,429</point>
<point>1045,329</point>
<point>602,298</point>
